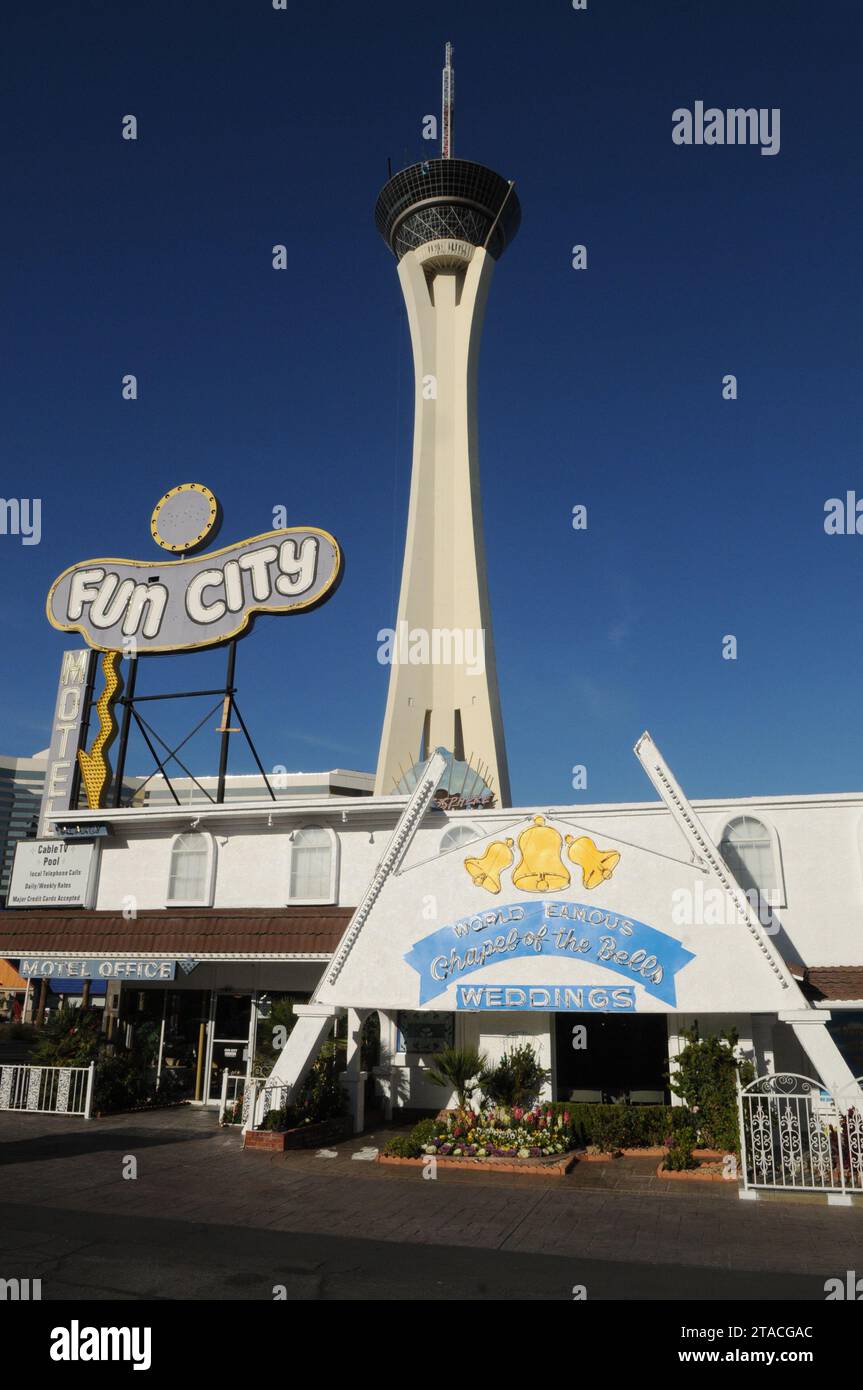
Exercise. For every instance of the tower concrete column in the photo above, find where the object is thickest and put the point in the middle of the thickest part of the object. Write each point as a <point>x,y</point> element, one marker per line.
<point>450,699</point>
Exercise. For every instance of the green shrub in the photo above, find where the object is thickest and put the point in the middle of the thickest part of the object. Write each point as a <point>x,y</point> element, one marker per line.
<point>277,1119</point>
<point>171,1087</point>
<point>626,1126</point>
<point>610,1130</point>
<point>705,1077</point>
<point>412,1145</point>
<point>322,1097</point>
<point>680,1156</point>
<point>517,1079</point>
<point>71,1038</point>
<point>401,1146</point>
<point>119,1084</point>
<point>424,1132</point>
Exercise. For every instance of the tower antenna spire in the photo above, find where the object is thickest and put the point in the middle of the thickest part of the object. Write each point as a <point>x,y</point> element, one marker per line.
<point>447,105</point>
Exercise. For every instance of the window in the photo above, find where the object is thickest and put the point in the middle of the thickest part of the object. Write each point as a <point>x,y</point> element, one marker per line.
<point>458,835</point>
<point>424,1033</point>
<point>191,875</point>
<point>313,865</point>
<point>751,852</point>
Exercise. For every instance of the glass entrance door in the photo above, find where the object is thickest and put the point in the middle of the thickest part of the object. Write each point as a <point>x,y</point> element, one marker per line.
<point>231,1019</point>
<point>184,1042</point>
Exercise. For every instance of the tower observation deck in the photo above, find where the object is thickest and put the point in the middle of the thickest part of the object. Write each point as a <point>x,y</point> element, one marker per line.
<point>447,221</point>
<point>447,199</point>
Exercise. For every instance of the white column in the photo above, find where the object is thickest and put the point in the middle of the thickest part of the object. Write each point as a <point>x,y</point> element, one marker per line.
<point>353,1078</point>
<point>388,1074</point>
<point>675,1023</point>
<point>810,1029</point>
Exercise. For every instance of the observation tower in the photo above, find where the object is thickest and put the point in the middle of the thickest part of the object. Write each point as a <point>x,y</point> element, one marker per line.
<point>447,222</point>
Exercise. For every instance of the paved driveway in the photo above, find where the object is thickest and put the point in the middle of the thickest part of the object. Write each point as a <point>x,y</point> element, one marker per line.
<point>202,1219</point>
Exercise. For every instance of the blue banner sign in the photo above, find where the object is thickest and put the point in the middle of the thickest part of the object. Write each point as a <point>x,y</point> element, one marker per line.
<point>561,930</point>
<point>554,998</point>
<point>99,968</point>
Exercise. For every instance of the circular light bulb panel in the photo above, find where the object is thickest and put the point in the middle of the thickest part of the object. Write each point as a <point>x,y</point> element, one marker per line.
<point>185,518</point>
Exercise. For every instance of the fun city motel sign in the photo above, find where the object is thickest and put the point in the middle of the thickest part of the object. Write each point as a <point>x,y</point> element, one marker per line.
<point>135,608</point>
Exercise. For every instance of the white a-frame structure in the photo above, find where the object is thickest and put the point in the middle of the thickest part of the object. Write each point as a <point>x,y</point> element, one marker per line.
<point>387,961</point>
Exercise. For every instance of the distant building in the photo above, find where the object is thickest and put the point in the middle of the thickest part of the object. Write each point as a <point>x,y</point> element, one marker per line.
<point>21,783</point>
<point>154,791</point>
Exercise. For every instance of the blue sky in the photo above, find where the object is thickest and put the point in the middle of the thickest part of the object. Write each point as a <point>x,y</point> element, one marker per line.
<point>600,387</point>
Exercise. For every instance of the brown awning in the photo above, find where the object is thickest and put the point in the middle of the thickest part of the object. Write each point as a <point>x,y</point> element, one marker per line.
<point>835,981</point>
<point>190,931</point>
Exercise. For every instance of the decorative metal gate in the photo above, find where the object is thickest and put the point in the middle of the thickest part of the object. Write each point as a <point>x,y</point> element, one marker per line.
<point>852,1135</point>
<point>797,1136</point>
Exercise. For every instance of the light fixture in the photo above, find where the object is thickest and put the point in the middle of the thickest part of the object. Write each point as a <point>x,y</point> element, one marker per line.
<point>371,837</point>
<point>344,817</point>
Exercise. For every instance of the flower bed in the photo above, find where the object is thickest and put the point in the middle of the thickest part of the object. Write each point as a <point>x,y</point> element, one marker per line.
<point>497,1132</point>
<point>501,1132</point>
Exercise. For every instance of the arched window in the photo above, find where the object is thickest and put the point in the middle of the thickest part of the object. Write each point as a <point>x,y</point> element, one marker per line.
<point>313,865</point>
<point>751,852</point>
<point>458,835</point>
<point>190,879</point>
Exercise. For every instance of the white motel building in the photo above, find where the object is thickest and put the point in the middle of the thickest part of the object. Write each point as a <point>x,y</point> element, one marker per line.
<point>421,899</point>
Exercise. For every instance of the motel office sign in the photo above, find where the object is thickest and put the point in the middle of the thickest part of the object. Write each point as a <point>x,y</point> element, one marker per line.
<point>95,968</point>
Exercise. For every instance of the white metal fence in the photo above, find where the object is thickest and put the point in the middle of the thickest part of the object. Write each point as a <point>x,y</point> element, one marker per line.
<point>796,1135</point>
<point>261,1096</point>
<point>46,1090</point>
<point>233,1091</point>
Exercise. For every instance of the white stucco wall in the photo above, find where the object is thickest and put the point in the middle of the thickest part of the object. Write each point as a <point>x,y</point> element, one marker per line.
<point>819,840</point>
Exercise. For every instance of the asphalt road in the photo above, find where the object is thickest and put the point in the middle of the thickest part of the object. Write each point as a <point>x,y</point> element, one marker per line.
<point>82,1255</point>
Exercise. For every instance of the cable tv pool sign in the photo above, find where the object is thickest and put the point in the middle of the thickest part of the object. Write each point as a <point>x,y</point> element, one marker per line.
<point>186,604</point>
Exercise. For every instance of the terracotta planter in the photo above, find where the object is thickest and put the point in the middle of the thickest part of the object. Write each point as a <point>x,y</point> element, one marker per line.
<point>304,1137</point>
<point>694,1174</point>
<point>555,1168</point>
<point>270,1140</point>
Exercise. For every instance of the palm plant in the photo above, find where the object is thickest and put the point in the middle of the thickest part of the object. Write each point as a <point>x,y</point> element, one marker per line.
<point>458,1069</point>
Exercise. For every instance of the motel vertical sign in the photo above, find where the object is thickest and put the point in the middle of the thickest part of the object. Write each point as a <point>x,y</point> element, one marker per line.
<point>67,733</point>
